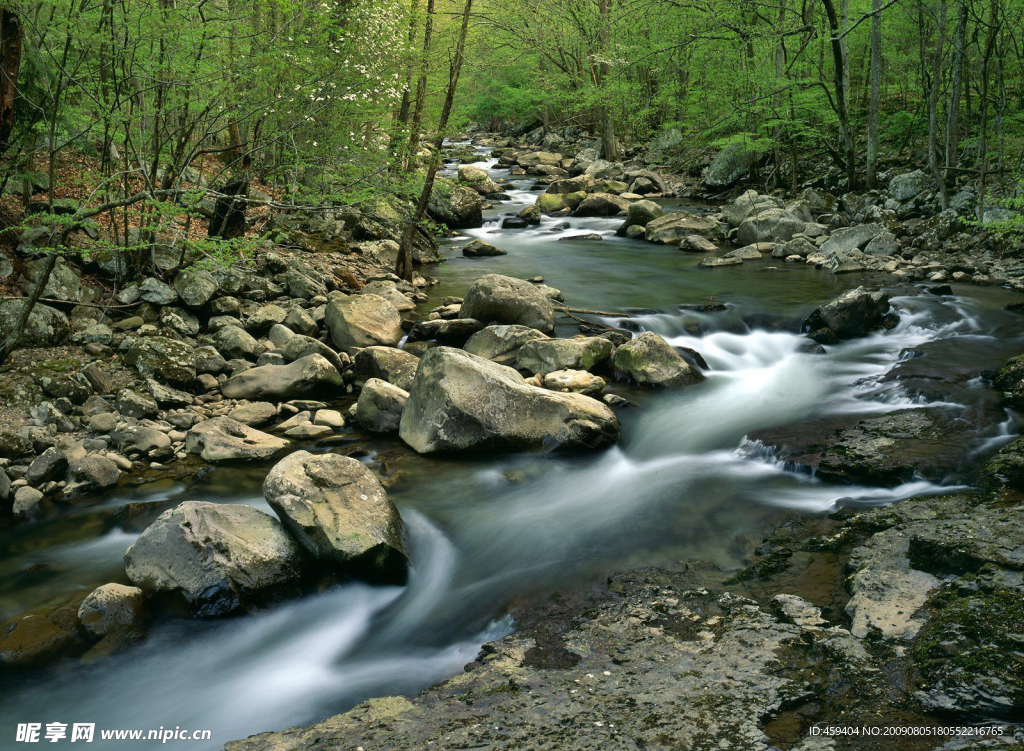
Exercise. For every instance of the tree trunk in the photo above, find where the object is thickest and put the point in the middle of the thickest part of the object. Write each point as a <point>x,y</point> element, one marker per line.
<point>421,89</point>
<point>609,149</point>
<point>403,266</point>
<point>10,62</point>
<point>990,40</point>
<point>953,120</point>
<point>933,106</point>
<point>876,87</point>
<point>841,107</point>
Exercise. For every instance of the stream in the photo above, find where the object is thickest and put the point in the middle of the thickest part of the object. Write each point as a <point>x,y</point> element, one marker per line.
<point>484,532</point>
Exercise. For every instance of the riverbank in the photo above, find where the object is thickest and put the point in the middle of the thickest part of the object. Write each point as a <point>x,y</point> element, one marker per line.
<point>621,509</point>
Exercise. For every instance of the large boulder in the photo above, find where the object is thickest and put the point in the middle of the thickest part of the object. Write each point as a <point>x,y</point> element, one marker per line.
<point>451,331</point>
<point>380,405</point>
<point>455,205</point>
<point>640,214</point>
<point>502,343</point>
<point>362,321</point>
<point>747,204</point>
<point>477,179</point>
<point>542,356</point>
<point>534,158</point>
<point>153,291</point>
<point>308,376</point>
<point>601,204</point>
<point>481,249</point>
<point>462,402</point>
<point>195,287</point>
<point>854,313</point>
<point>165,359</point>
<point>673,227</point>
<point>390,292</point>
<point>64,282</point>
<point>338,512</point>
<point>501,299</point>
<point>849,239</point>
<point>300,346</point>
<point>111,609</point>
<point>729,165</point>
<point>223,440</point>
<point>386,363</point>
<point>222,558</point>
<point>46,326</point>
<point>90,474</point>
<point>234,342</point>
<point>649,360</point>
<point>769,225</point>
<point>908,185</point>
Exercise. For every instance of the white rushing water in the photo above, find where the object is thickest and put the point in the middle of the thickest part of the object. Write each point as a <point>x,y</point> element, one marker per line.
<point>683,481</point>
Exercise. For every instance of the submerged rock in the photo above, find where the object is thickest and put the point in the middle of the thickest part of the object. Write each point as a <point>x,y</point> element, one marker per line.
<point>339,513</point>
<point>459,401</point>
<point>220,557</point>
<point>649,360</point>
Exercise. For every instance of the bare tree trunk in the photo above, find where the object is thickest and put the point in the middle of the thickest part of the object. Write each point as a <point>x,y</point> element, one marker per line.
<point>10,62</point>
<point>933,106</point>
<point>609,149</point>
<point>876,87</point>
<point>421,89</point>
<point>403,266</point>
<point>841,107</point>
<point>404,108</point>
<point>990,41</point>
<point>953,119</point>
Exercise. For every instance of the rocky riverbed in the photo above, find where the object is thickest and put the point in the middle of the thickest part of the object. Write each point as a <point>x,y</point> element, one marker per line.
<point>864,388</point>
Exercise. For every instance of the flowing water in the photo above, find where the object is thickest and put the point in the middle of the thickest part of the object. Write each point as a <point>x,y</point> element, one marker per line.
<point>682,483</point>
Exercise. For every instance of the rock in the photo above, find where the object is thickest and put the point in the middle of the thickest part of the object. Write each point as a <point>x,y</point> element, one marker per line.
<point>502,299</point>
<point>602,169</point>
<point>477,179</point>
<point>601,204</point>
<point>264,318</point>
<point>165,359</point>
<point>46,326</point>
<point>1010,380</point>
<point>455,206</point>
<point>851,238</point>
<point>530,214</point>
<point>729,165</point>
<point>363,321</point>
<point>302,346</point>
<point>111,608</point>
<point>459,401</point>
<point>254,414</point>
<point>75,388</point>
<point>697,244</point>
<point>64,282</point>
<point>195,287</point>
<point>649,360</point>
<point>882,244</point>
<point>139,439</point>
<point>748,204</point>
<point>165,396</point>
<point>178,321</point>
<point>330,418</point>
<point>309,376</point>
<point>223,439</point>
<point>388,364</point>
<point>452,331</point>
<point>222,558</point>
<point>543,356</point>
<point>480,249</point>
<point>673,227</point>
<point>1007,465</point>
<point>746,253</point>
<point>132,403</point>
<point>338,512</point>
<point>301,322</point>
<point>27,502</point>
<point>52,464</point>
<point>156,292</point>
<point>37,638</point>
<point>380,405</point>
<point>236,343</point>
<point>91,474</point>
<point>533,158</point>
<point>908,185</point>
<point>769,225</point>
<point>887,592</point>
<point>723,261</point>
<point>389,292</point>
<point>854,313</point>
<point>581,184</point>
<point>576,381</point>
<point>639,214</point>
<point>502,343</point>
